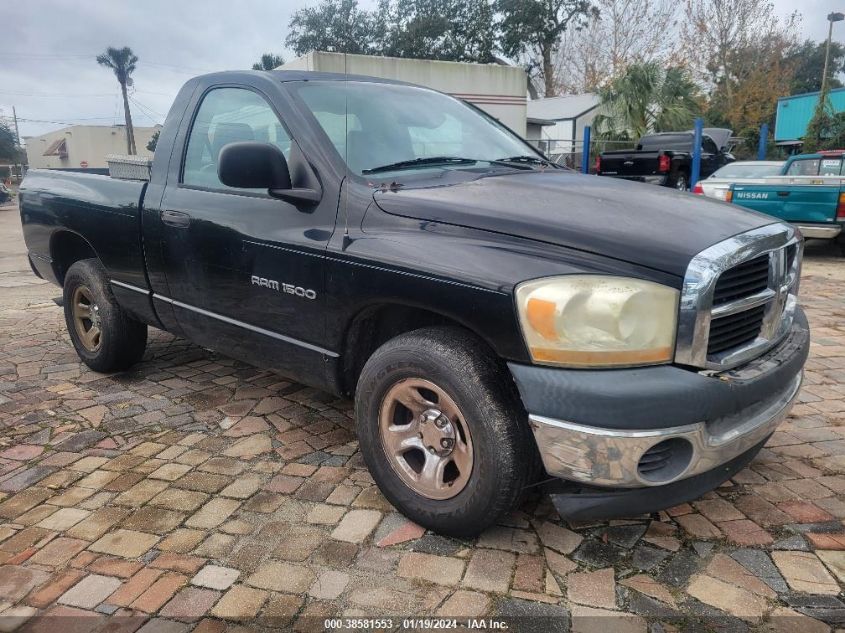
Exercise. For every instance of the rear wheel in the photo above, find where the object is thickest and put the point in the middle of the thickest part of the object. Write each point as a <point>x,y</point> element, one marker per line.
<point>105,337</point>
<point>442,432</point>
<point>681,182</point>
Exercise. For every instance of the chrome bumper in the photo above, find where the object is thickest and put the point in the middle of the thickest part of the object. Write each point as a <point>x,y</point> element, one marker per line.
<point>819,231</point>
<point>611,457</point>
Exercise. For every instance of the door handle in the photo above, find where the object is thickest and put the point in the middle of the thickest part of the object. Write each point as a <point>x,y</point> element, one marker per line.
<point>175,218</point>
<point>783,194</point>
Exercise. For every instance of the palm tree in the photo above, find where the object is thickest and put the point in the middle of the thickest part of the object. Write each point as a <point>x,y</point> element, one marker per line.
<point>269,61</point>
<point>122,62</point>
<point>646,99</point>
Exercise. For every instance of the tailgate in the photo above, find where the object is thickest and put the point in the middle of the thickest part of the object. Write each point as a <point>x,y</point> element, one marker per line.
<point>790,201</point>
<point>629,163</point>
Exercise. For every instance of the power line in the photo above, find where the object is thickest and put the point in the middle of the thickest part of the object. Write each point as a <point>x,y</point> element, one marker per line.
<point>143,105</point>
<point>145,111</point>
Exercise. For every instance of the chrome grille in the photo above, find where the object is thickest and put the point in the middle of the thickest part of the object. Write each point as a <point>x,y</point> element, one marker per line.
<point>742,280</point>
<point>735,329</point>
<point>738,298</point>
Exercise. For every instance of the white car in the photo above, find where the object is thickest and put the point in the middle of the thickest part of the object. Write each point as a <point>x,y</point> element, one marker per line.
<point>745,172</point>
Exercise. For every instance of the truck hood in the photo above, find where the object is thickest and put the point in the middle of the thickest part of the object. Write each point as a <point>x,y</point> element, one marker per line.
<point>637,223</point>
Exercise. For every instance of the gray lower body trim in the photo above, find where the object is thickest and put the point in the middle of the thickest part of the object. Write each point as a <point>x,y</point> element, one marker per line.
<point>130,287</point>
<point>247,326</point>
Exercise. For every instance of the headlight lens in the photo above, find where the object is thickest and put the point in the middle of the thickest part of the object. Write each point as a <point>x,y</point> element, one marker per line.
<point>598,321</point>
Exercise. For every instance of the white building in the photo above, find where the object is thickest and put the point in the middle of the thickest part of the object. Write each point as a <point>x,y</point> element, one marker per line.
<point>83,146</point>
<point>561,121</point>
<point>497,89</point>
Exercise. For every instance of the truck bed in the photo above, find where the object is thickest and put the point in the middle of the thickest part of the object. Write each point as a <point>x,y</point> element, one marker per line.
<point>810,202</point>
<point>630,163</point>
<point>59,207</point>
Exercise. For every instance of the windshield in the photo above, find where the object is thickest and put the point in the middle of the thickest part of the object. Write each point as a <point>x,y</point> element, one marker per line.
<point>748,170</point>
<point>375,125</point>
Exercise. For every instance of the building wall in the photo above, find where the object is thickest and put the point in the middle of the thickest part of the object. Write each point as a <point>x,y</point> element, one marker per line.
<point>88,143</point>
<point>498,90</point>
<point>794,113</point>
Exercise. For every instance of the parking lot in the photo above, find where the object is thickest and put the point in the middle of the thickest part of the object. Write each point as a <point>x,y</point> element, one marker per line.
<point>197,491</point>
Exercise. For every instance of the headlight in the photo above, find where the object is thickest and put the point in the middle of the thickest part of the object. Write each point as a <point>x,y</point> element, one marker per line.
<point>598,321</point>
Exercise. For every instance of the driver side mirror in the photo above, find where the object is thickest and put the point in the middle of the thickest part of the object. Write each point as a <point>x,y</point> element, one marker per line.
<point>253,165</point>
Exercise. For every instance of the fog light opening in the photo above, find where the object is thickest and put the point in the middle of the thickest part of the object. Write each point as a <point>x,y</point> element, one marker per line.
<point>665,460</point>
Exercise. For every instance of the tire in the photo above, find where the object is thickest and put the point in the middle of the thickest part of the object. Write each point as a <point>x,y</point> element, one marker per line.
<point>681,182</point>
<point>121,340</point>
<point>490,422</point>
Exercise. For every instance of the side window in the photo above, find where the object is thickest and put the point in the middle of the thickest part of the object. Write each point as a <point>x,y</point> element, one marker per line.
<point>805,167</point>
<point>708,146</point>
<point>228,115</point>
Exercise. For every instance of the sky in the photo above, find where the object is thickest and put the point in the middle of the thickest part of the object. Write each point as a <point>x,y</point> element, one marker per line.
<point>47,50</point>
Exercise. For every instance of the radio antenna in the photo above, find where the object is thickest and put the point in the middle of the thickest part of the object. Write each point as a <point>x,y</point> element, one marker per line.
<point>346,149</point>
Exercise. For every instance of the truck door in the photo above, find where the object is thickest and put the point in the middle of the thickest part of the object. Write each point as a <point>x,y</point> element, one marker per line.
<point>245,270</point>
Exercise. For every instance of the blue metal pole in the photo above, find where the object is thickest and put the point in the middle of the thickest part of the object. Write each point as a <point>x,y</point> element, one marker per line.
<point>585,151</point>
<point>696,152</point>
<point>764,138</point>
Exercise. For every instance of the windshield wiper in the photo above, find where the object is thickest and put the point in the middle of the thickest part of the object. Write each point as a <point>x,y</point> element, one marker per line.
<point>418,162</point>
<point>526,159</point>
<point>442,160</point>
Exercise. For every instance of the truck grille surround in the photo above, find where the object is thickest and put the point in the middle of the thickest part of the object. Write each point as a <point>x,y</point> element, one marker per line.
<point>739,298</point>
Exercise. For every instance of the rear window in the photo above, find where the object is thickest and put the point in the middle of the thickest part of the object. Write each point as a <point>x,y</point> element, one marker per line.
<point>815,167</point>
<point>665,141</point>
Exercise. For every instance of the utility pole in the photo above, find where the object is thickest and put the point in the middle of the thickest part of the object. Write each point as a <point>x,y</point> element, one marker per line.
<point>17,132</point>
<point>832,17</point>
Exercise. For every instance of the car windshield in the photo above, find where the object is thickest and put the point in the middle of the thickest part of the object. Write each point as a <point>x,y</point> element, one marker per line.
<point>748,170</point>
<point>379,128</point>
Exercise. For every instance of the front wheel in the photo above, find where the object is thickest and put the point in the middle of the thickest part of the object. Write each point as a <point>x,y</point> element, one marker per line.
<point>442,432</point>
<point>106,338</point>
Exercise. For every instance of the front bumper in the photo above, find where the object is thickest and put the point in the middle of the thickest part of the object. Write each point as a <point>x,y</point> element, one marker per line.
<point>649,427</point>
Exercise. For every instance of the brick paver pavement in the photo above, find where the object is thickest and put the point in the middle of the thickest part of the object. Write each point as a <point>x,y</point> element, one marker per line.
<point>196,491</point>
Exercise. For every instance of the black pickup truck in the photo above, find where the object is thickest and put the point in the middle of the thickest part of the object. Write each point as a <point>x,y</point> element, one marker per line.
<point>500,322</point>
<point>666,158</point>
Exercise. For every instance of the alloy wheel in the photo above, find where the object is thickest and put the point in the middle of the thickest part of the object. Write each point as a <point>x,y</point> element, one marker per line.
<point>426,438</point>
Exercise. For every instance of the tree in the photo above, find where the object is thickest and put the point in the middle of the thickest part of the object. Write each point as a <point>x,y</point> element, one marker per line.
<point>269,61</point>
<point>531,30</point>
<point>820,127</point>
<point>760,74</point>
<point>122,61</point>
<point>153,142</point>
<point>807,60</point>
<point>452,30</point>
<point>8,144</point>
<point>714,34</point>
<point>335,25</point>
<point>646,99</point>
<point>624,32</point>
